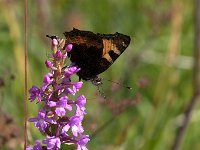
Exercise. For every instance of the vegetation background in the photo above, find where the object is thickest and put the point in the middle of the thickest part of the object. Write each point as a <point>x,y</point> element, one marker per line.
<point>158,65</point>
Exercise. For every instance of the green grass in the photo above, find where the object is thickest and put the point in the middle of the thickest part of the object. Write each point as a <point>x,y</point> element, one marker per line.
<point>151,124</point>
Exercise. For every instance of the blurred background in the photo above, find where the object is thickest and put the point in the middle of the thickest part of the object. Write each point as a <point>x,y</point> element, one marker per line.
<point>158,65</point>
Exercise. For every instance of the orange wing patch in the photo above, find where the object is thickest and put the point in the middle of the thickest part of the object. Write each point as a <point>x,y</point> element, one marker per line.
<point>108,45</point>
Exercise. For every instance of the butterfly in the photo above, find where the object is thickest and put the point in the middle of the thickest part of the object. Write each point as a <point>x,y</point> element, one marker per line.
<point>95,53</point>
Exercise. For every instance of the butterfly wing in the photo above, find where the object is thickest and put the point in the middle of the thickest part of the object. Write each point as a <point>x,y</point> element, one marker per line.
<point>86,52</point>
<point>94,53</point>
<point>113,46</point>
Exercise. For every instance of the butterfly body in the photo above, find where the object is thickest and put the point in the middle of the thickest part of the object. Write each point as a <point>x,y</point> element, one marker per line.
<point>94,53</point>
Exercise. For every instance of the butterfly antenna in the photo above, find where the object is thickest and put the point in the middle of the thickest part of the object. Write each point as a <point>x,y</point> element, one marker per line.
<point>52,37</point>
<point>128,87</point>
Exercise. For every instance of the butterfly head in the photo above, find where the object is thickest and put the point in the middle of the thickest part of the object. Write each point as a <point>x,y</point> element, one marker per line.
<point>96,81</point>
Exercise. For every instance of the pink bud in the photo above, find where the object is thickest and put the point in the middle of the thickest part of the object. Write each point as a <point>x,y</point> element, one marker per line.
<point>54,42</point>
<point>49,64</point>
<point>58,54</point>
<point>69,47</point>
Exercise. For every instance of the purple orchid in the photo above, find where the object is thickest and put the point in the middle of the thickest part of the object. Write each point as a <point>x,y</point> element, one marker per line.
<point>56,119</point>
<point>40,122</point>
<point>53,143</point>
<point>35,93</point>
<point>37,146</point>
<point>82,141</point>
